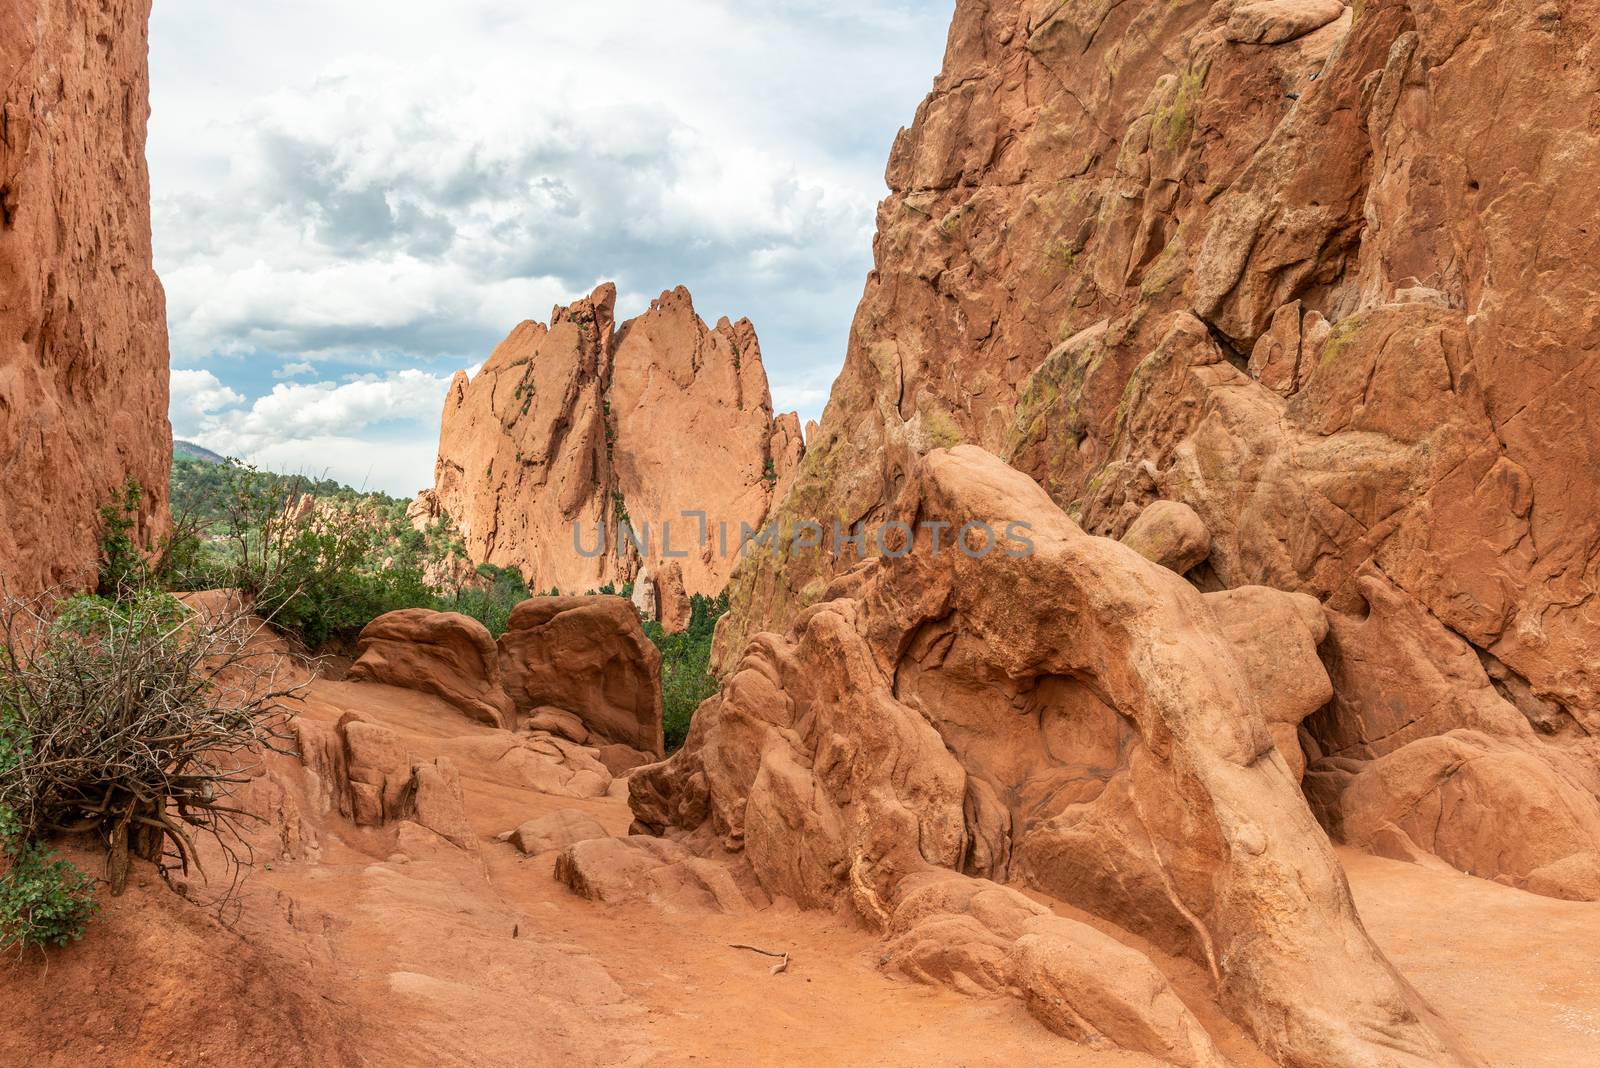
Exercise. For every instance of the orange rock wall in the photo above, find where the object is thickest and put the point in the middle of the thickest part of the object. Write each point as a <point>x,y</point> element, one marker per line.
<point>1332,291</point>
<point>1321,274</point>
<point>83,337</point>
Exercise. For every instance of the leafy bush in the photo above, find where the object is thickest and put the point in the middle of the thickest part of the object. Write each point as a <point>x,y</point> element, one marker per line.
<point>323,560</point>
<point>320,560</point>
<point>324,585</point>
<point>686,678</point>
<point>122,564</point>
<point>132,720</point>
<point>44,901</point>
<point>125,566</point>
<point>13,748</point>
<point>491,604</point>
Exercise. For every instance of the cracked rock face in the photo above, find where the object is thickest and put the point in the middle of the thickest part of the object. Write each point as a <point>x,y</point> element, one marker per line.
<point>1079,720</point>
<point>614,428</point>
<point>1318,275</point>
<point>83,336</point>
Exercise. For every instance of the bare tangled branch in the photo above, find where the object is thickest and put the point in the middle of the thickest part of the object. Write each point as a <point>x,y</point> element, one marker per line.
<point>137,720</point>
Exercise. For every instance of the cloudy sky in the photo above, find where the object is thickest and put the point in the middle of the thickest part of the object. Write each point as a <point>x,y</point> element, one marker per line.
<point>352,200</point>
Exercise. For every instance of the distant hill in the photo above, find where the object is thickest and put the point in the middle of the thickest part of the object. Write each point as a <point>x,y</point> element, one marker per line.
<point>196,452</point>
<point>202,481</point>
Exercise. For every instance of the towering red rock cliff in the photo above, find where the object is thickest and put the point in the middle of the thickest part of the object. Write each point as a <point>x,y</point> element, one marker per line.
<point>585,426</point>
<point>1321,274</point>
<point>83,335</point>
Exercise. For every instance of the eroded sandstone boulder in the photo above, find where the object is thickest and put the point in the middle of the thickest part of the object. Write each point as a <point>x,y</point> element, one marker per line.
<point>616,871</point>
<point>590,657</point>
<point>1451,795</point>
<point>1171,534</point>
<point>1276,640</point>
<point>557,721</point>
<point>672,591</point>
<point>979,937</point>
<point>547,763</point>
<point>442,653</point>
<point>557,830</point>
<point>363,772</point>
<point>1421,752</point>
<point>1074,717</point>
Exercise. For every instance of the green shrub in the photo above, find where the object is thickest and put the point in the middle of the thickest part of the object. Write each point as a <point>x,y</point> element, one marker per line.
<point>320,576</point>
<point>323,585</point>
<point>489,605</point>
<point>13,749</point>
<point>122,564</point>
<point>686,678</point>
<point>44,901</point>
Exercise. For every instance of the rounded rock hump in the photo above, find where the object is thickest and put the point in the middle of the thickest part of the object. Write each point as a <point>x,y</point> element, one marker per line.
<point>443,653</point>
<point>588,656</point>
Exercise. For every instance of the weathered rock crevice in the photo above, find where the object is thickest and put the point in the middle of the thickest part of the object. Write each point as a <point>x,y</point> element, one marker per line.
<point>1080,720</point>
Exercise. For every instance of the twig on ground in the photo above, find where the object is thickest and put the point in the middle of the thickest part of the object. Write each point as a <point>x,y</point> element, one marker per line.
<point>778,968</point>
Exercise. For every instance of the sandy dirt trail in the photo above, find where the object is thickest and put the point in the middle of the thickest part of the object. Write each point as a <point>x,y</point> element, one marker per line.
<point>490,960</point>
<point>437,956</point>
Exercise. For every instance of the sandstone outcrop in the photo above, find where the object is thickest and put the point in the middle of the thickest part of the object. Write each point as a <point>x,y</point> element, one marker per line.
<point>83,336</point>
<point>674,607</point>
<point>979,937</point>
<point>557,721</point>
<point>362,771</point>
<point>575,668</point>
<point>1293,266</point>
<point>1073,717</point>
<point>616,430</point>
<point>442,653</point>
<point>1171,534</point>
<point>539,761</point>
<point>663,597</point>
<point>621,870</point>
<point>588,656</point>
<point>558,830</point>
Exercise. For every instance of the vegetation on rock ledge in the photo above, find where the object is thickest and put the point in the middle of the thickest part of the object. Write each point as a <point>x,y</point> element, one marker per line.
<point>686,678</point>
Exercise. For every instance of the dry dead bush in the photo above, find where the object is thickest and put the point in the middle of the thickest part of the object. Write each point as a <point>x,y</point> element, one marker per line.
<point>136,720</point>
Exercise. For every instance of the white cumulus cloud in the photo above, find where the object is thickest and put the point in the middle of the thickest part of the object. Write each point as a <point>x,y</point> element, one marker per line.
<point>335,190</point>
<point>195,395</point>
<point>320,427</point>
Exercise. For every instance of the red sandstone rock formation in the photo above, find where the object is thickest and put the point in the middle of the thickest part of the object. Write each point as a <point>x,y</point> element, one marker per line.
<point>363,772</point>
<point>83,336</point>
<point>442,653</point>
<point>606,427</point>
<point>579,668</point>
<point>1318,274</point>
<point>588,656</point>
<point>1074,718</point>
